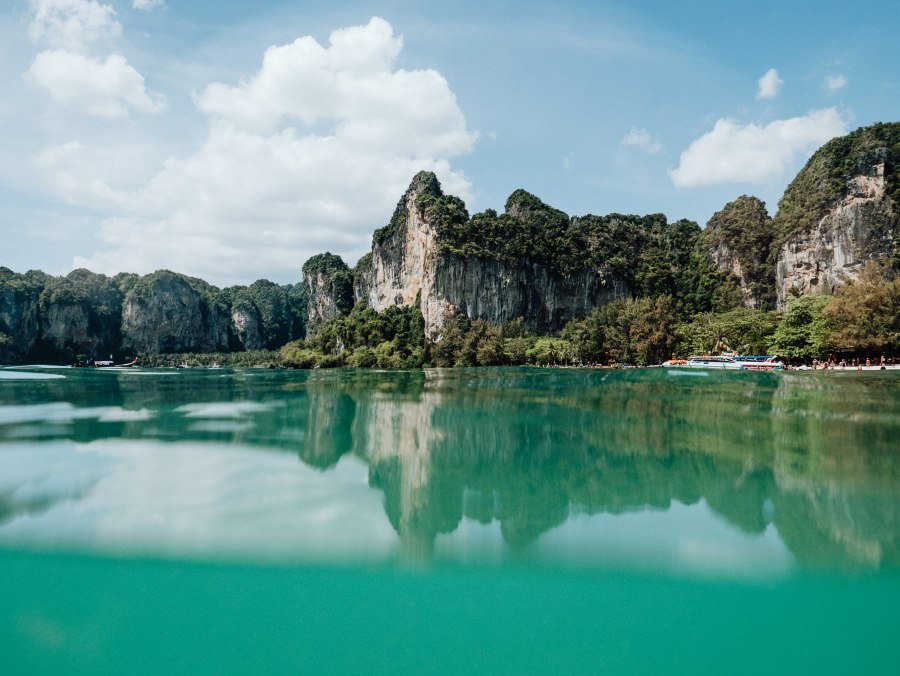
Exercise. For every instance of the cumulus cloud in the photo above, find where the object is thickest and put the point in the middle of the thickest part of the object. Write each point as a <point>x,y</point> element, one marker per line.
<point>640,138</point>
<point>736,153</point>
<point>310,154</point>
<point>769,84</point>
<point>108,88</point>
<point>835,82</point>
<point>72,24</point>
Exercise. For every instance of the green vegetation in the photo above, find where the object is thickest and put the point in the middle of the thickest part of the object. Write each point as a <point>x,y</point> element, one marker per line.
<point>804,331</point>
<point>866,313</point>
<point>424,183</point>
<point>278,310</point>
<point>394,338</point>
<point>745,229</point>
<point>328,274</point>
<point>55,319</point>
<point>827,172</point>
<point>863,318</point>
<point>745,330</point>
<point>247,359</point>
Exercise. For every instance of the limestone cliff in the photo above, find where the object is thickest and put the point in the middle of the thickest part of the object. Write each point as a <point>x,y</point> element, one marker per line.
<point>164,313</point>
<point>415,259</point>
<point>329,288</point>
<point>19,313</point>
<point>246,323</point>
<point>841,212</point>
<point>738,239</point>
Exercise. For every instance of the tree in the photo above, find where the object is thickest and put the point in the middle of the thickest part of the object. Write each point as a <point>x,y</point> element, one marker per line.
<point>803,333</point>
<point>865,314</point>
<point>746,330</point>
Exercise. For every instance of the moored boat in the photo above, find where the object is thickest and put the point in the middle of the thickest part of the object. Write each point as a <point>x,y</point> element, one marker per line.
<point>706,361</point>
<point>103,363</point>
<point>762,362</point>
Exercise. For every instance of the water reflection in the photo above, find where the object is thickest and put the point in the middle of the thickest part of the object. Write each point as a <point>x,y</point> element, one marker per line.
<point>808,459</point>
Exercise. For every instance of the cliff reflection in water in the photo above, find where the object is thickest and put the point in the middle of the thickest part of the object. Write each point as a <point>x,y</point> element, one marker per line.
<point>816,458</point>
<point>813,455</point>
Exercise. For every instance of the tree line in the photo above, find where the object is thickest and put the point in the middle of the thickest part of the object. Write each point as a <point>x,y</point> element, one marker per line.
<point>861,318</point>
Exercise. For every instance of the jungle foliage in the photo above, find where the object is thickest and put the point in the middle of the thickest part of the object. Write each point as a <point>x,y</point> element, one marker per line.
<point>828,171</point>
<point>744,228</point>
<point>37,309</point>
<point>394,338</point>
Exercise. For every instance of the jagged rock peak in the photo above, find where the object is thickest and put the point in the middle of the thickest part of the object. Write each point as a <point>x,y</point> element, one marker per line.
<point>841,212</point>
<point>834,171</point>
<point>425,182</point>
<point>524,206</point>
<point>329,286</point>
<point>738,239</point>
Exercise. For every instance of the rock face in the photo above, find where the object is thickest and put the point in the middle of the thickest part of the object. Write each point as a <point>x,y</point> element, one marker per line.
<point>19,315</point>
<point>841,212</point>
<point>329,287</point>
<point>67,326</point>
<point>738,239</point>
<point>55,319</point>
<point>168,315</point>
<point>852,233</point>
<point>408,266</point>
<point>246,326</point>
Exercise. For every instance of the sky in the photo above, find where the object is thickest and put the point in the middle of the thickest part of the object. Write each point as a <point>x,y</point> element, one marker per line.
<point>233,140</point>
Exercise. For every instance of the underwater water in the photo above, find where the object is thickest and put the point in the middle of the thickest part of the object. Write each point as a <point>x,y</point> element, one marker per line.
<point>449,521</point>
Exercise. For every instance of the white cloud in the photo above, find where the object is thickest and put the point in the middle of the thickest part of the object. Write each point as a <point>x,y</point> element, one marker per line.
<point>148,4</point>
<point>72,24</point>
<point>108,88</point>
<point>640,138</point>
<point>835,82</point>
<point>736,153</point>
<point>769,84</point>
<point>308,155</point>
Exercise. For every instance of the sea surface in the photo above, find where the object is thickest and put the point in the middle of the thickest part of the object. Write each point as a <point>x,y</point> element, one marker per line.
<point>476,521</point>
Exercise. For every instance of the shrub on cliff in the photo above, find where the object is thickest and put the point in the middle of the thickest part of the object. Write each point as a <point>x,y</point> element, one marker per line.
<point>744,228</point>
<point>824,178</point>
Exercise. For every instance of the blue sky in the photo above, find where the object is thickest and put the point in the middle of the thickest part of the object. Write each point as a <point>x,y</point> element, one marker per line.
<point>232,140</point>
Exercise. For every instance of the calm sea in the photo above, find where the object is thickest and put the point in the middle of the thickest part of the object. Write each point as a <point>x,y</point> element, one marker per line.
<point>449,521</point>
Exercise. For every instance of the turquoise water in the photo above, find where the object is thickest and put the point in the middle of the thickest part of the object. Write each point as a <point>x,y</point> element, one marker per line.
<point>449,521</point>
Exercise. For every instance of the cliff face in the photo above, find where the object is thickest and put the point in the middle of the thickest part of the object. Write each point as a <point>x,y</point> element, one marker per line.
<point>860,227</point>
<point>19,316</point>
<point>67,326</point>
<point>55,319</point>
<point>840,212</point>
<point>738,239</point>
<point>408,265</point>
<point>245,321</point>
<point>168,315</point>
<point>329,288</point>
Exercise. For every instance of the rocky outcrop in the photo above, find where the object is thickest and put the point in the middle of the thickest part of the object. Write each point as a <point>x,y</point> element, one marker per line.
<point>19,314</point>
<point>55,319</point>
<point>408,265</point>
<point>841,212</point>
<point>738,239</point>
<point>163,313</point>
<point>329,287</point>
<point>859,228</point>
<point>245,321</point>
<point>65,326</point>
